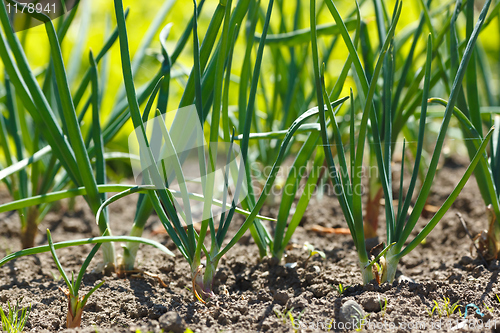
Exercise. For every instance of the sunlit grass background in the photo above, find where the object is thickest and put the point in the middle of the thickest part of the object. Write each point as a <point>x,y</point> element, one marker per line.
<point>96,17</point>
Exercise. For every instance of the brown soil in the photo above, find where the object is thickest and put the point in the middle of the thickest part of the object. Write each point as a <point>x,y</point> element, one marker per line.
<point>250,292</point>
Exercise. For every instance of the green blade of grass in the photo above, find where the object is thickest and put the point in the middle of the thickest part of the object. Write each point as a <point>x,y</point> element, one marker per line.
<point>422,198</point>
<point>309,188</point>
<point>344,168</point>
<point>350,46</point>
<point>86,297</point>
<point>355,229</point>
<point>246,66</point>
<point>304,129</point>
<point>136,119</point>
<point>165,70</point>
<point>96,127</point>
<point>404,211</point>
<point>140,54</point>
<point>58,263</point>
<point>86,264</point>
<point>302,36</point>
<point>408,63</point>
<point>290,189</point>
<point>451,198</point>
<point>16,167</point>
<point>78,242</point>
<point>225,99</point>
<point>471,75</point>
<point>272,176</point>
<point>475,136</point>
<point>86,78</point>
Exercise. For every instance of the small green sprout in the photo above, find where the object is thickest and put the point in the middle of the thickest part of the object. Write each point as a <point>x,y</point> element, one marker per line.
<point>330,325</point>
<point>75,303</point>
<point>310,249</point>
<point>449,308</point>
<point>383,306</point>
<point>283,316</point>
<point>15,319</point>
<point>487,307</point>
<point>498,298</point>
<point>292,319</point>
<point>341,289</point>
<point>360,321</point>
<point>436,308</point>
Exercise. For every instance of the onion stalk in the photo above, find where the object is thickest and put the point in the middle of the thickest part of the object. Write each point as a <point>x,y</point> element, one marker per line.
<point>400,223</point>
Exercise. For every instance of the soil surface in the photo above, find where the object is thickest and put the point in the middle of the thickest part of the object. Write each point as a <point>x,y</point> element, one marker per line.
<point>257,295</point>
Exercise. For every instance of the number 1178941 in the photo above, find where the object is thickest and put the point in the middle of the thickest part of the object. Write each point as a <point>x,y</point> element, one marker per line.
<point>30,8</point>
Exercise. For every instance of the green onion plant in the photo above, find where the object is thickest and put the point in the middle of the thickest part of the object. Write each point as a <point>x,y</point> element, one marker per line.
<point>472,119</point>
<point>400,222</point>
<point>190,242</point>
<point>56,123</point>
<point>75,303</point>
<point>63,152</point>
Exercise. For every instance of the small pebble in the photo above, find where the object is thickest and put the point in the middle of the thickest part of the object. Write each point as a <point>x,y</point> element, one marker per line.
<point>350,311</point>
<point>171,321</point>
<point>403,278</point>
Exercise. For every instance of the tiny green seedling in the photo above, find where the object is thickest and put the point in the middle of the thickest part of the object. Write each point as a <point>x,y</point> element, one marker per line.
<point>15,319</point>
<point>360,321</point>
<point>280,315</point>
<point>436,308</point>
<point>292,319</point>
<point>449,308</point>
<point>283,316</point>
<point>312,252</point>
<point>383,306</point>
<point>487,307</point>
<point>341,289</point>
<point>75,303</point>
<point>498,298</point>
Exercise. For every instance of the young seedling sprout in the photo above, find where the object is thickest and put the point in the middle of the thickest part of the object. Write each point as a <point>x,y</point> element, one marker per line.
<point>341,289</point>
<point>75,303</point>
<point>312,252</point>
<point>15,319</point>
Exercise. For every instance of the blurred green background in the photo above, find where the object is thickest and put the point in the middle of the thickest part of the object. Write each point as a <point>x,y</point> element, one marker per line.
<point>96,17</point>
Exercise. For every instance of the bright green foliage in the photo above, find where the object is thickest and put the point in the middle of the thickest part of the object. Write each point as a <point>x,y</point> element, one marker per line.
<point>285,108</point>
<point>472,120</point>
<point>14,320</point>
<point>54,150</point>
<point>399,222</point>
